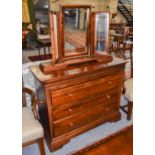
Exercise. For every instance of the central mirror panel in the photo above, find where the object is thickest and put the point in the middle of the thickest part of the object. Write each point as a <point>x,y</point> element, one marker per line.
<point>76,31</point>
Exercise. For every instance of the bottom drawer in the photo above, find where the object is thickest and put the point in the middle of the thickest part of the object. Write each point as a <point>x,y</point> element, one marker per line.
<point>81,119</point>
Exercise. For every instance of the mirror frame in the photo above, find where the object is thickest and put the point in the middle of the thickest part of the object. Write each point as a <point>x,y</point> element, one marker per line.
<point>61,35</point>
<point>57,42</point>
<point>93,33</point>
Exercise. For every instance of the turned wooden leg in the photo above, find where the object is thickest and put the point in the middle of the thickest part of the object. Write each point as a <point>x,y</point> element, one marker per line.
<point>130,105</point>
<point>45,52</point>
<point>39,51</point>
<point>41,146</point>
<point>48,49</point>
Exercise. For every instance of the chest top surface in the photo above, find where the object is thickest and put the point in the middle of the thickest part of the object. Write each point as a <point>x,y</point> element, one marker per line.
<point>73,70</point>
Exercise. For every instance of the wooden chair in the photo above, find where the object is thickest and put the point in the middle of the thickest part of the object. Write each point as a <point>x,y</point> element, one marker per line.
<point>32,40</point>
<point>128,93</point>
<point>32,130</point>
<point>128,83</point>
<point>119,41</point>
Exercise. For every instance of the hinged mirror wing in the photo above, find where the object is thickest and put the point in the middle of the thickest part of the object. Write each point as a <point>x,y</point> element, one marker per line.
<point>54,31</point>
<point>100,32</point>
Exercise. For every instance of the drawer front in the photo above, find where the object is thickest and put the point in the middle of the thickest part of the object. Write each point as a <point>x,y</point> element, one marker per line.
<point>83,90</point>
<point>83,118</point>
<point>93,101</point>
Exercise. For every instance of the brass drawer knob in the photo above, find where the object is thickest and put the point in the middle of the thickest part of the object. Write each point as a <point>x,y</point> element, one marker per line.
<point>71,124</point>
<point>109,82</point>
<point>70,110</point>
<point>108,96</point>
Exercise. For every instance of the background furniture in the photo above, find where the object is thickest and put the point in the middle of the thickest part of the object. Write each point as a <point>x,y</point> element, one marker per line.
<point>44,43</point>
<point>118,27</point>
<point>118,41</point>
<point>32,40</point>
<point>32,130</point>
<point>122,47</point>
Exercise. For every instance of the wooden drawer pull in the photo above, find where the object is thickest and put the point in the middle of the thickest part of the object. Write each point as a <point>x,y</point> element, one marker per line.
<point>71,124</point>
<point>108,96</point>
<point>107,109</point>
<point>109,82</point>
<point>70,110</point>
<point>107,7</point>
<point>69,94</point>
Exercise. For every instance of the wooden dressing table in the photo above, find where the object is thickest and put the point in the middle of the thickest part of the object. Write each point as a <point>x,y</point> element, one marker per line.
<point>80,98</point>
<point>82,90</point>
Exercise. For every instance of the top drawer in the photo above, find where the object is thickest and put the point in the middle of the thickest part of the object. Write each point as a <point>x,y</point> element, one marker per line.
<point>82,90</point>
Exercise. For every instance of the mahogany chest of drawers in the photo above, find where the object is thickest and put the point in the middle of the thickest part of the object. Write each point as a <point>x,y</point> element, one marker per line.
<point>79,98</point>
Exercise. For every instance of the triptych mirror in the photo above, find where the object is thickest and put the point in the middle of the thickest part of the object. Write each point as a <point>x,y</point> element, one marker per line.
<point>77,32</point>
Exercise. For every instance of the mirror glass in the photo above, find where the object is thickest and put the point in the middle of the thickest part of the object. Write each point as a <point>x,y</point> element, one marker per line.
<point>101,31</point>
<point>75,31</point>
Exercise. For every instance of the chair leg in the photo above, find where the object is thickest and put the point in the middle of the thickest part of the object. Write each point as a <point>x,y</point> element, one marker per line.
<point>41,146</point>
<point>130,106</point>
<point>39,51</point>
<point>48,49</point>
<point>45,51</point>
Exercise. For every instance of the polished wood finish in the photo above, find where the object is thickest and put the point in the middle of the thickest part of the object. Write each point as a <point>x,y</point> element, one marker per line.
<point>82,92</point>
<point>130,106</point>
<point>46,69</point>
<point>80,97</point>
<point>120,143</point>
<point>41,146</point>
<point>60,60</point>
<point>59,56</point>
<point>40,143</point>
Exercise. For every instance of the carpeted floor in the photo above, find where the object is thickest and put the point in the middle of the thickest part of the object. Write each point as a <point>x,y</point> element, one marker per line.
<point>32,54</point>
<point>41,57</point>
<point>84,139</point>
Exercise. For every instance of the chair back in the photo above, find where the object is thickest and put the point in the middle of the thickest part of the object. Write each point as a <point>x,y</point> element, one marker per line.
<point>120,41</point>
<point>33,100</point>
<point>32,39</point>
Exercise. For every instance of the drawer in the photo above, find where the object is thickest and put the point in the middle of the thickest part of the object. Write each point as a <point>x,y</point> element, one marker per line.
<point>89,102</point>
<point>83,90</point>
<point>83,118</point>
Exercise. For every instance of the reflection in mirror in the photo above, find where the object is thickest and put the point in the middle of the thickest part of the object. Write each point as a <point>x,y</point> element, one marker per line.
<point>101,32</point>
<point>75,31</point>
<point>54,36</point>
